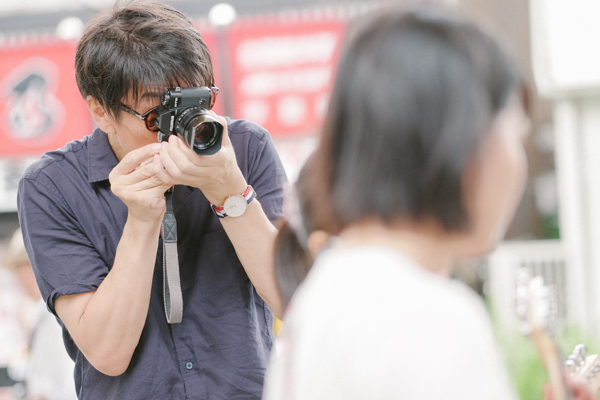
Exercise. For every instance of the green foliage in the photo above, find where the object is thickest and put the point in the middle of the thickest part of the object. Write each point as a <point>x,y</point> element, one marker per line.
<point>550,227</point>
<point>525,366</point>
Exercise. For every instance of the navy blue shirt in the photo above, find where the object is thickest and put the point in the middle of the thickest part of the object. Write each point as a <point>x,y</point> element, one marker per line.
<point>72,224</point>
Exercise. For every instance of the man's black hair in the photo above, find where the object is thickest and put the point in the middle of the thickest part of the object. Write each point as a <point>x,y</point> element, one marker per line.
<point>136,48</point>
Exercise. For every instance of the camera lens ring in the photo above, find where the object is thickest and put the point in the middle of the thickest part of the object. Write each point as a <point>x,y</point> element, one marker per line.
<point>198,128</point>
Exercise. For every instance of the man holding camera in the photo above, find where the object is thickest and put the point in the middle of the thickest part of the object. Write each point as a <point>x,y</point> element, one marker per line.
<point>91,214</point>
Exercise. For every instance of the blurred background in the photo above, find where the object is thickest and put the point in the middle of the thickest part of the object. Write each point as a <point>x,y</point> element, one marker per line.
<point>274,62</point>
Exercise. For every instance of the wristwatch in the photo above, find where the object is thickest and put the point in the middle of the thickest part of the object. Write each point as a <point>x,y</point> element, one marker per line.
<point>235,205</point>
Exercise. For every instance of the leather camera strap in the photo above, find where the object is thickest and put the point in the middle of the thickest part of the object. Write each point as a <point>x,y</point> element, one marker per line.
<point>171,282</point>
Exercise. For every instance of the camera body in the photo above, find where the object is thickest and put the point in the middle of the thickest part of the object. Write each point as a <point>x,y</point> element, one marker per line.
<point>184,112</point>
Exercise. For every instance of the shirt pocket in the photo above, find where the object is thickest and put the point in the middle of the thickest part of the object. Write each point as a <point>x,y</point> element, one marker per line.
<point>223,283</point>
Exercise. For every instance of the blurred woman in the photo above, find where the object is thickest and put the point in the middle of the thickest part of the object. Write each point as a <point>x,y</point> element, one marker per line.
<point>421,164</point>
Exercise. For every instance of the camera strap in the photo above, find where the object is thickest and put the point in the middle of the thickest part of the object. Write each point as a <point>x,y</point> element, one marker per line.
<point>171,283</point>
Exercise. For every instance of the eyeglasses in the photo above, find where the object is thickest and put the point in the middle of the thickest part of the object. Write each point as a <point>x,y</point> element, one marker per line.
<point>215,92</point>
<point>149,117</point>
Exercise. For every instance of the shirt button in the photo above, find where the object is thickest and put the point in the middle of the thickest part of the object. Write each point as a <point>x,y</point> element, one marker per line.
<point>189,365</point>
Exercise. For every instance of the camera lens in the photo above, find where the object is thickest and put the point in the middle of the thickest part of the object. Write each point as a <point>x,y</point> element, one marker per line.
<point>202,132</point>
<point>199,129</point>
<point>205,133</point>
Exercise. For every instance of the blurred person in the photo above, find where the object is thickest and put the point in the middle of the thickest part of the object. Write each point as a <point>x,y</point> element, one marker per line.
<point>301,237</point>
<point>296,248</point>
<point>91,216</point>
<point>48,368</point>
<point>12,338</point>
<point>421,164</point>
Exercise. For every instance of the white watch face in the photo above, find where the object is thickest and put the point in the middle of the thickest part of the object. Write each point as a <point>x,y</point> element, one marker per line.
<point>235,205</point>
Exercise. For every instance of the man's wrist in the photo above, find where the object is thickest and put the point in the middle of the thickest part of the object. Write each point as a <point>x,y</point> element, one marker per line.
<point>144,225</point>
<point>220,193</point>
<point>235,205</point>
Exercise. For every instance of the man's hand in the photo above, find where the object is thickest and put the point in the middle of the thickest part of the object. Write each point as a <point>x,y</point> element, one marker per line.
<point>217,175</point>
<point>134,180</point>
<point>107,323</point>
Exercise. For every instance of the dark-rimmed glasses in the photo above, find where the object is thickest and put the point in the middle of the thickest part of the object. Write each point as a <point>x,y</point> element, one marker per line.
<point>149,117</point>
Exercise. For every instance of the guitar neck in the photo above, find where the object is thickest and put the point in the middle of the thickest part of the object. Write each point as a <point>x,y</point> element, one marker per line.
<point>553,363</point>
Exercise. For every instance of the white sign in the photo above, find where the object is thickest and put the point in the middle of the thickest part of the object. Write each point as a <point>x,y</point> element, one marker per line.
<point>11,170</point>
<point>565,46</point>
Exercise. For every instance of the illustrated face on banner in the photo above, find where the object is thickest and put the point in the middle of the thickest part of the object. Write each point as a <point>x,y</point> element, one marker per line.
<point>33,115</point>
<point>41,108</point>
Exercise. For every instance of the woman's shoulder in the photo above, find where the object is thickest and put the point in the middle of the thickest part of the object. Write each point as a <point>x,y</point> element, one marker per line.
<point>367,285</point>
<point>372,311</point>
<point>383,273</point>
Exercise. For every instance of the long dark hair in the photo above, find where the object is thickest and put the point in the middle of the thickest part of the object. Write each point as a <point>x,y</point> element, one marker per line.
<point>415,92</point>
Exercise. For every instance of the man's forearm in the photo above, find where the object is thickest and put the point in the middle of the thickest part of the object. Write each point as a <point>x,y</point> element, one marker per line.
<point>106,324</point>
<point>253,237</point>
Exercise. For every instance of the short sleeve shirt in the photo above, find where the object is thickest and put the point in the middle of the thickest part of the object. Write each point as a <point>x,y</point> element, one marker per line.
<point>72,224</point>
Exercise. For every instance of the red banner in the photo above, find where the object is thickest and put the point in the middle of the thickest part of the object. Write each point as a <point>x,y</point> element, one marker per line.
<point>41,108</point>
<point>282,72</point>
<point>211,39</point>
<point>279,74</point>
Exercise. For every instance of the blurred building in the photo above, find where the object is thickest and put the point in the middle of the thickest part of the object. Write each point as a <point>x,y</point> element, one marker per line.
<point>275,65</point>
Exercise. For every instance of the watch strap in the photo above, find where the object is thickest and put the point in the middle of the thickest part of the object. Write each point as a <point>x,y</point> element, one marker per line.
<point>249,194</point>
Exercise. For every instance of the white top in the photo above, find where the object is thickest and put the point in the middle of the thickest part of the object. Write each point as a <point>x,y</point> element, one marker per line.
<point>12,338</point>
<point>368,323</point>
<point>50,369</point>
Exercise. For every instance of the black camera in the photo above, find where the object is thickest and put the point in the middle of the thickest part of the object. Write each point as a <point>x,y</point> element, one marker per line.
<point>184,112</point>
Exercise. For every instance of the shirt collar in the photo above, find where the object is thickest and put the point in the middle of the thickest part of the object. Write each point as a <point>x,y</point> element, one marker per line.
<point>101,158</point>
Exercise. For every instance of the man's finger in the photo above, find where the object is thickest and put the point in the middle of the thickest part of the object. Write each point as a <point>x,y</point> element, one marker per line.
<point>151,183</point>
<point>161,172</point>
<point>134,158</point>
<point>148,161</point>
<point>140,173</point>
<point>178,158</point>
